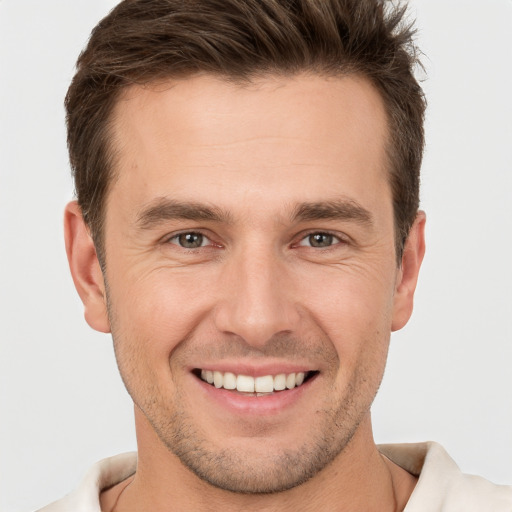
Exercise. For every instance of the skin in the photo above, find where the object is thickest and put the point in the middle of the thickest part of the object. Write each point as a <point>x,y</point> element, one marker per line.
<point>262,161</point>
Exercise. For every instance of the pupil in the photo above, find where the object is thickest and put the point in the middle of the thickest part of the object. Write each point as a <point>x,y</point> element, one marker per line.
<point>191,240</point>
<point>320,240</point>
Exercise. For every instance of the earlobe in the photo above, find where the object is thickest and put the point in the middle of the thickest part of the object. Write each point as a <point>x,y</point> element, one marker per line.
<point>85,268</point>
<point>414,250</point>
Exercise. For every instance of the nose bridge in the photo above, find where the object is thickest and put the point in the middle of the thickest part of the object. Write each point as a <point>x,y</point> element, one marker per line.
<point>256,301</point>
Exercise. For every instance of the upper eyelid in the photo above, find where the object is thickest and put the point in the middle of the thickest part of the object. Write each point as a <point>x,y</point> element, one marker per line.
<point>343,238</point>
<point>169,236</point>
<point>340,236</point>
<point>336,242</point>
<point>188,233</point>
<point>172,240</point>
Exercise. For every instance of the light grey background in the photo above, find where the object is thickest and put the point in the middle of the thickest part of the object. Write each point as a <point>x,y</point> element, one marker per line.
<point>449,376</point>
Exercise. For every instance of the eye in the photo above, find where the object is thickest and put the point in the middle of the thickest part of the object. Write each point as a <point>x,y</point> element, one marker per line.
<point>319,240</point>
<point>190,240</point>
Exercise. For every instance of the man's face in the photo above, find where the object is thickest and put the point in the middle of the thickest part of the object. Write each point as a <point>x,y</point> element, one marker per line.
<point>250,233</point>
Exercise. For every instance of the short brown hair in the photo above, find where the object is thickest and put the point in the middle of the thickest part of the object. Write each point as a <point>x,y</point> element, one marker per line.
<point>142,41</point>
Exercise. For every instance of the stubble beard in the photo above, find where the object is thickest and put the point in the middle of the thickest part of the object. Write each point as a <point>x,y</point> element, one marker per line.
<point>231,469</point>
<point>268,472</point>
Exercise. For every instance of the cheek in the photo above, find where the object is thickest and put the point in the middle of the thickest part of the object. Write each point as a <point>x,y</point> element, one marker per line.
<point>162,307</point>
<point>359,295</point>
<point>150,317</point>
<point>149,320</point>
<point>354,309</point>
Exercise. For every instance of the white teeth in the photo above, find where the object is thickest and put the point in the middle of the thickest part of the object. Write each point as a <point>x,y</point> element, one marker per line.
<point>264,384</point>
<point>290,381</point>
<point>229,380</point>
<point>218,379</point>
<point>246,384</point>
<point>280,382</point>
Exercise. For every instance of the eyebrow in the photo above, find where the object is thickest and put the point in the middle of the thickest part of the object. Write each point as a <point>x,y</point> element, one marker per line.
<point>165,209</point>
<point>340,209</point>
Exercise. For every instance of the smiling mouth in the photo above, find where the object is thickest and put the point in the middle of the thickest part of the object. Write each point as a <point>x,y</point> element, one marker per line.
<point>254,386</point>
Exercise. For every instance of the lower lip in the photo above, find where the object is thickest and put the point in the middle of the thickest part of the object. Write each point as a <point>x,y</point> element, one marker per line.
<point>257,405</point>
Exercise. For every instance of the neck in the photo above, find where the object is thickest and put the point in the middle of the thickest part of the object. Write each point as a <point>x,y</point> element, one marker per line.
<point>358,479</point>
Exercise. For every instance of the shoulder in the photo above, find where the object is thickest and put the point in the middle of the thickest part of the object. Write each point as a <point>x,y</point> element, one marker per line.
<point>442,486</point>
<point>102,475</point>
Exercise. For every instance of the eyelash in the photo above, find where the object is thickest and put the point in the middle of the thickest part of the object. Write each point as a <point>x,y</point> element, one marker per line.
<point>336,240</point>
<point>177,236</point>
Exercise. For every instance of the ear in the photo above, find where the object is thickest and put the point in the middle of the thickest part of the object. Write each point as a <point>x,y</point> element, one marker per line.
<point>85,268</point>
<point>407,277</point>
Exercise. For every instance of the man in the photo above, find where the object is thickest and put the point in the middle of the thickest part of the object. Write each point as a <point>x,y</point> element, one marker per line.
<point>247,227</point>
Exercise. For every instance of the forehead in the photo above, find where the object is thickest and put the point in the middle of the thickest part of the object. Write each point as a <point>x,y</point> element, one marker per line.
<point>205,137</point>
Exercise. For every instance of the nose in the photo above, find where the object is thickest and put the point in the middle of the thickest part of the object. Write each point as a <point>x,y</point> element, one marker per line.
<point>257,297</point>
